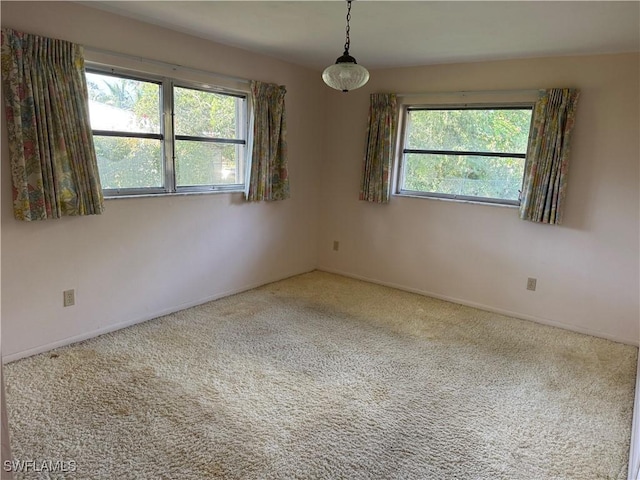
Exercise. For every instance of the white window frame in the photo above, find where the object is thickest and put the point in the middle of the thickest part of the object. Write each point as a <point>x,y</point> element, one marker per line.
<point>402,151</point>
<point>167,133</point>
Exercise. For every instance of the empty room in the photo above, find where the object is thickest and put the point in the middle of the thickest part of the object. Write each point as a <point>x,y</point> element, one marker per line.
<point>320,240</point>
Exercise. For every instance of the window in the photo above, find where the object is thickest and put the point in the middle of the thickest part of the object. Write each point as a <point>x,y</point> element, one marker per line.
<point>126,118</point>
<point>159,135</point>
<point>466,153</point>
<point>209,148</point>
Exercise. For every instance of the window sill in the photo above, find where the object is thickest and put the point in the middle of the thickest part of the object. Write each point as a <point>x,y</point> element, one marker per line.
<point>456,200</point>
<point>172,194</point>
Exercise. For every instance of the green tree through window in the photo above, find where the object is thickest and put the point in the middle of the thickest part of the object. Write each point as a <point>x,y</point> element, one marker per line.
<point>131,108</point>
<point>475,153</point>
<point>204,146</point>
<point>208,148</point>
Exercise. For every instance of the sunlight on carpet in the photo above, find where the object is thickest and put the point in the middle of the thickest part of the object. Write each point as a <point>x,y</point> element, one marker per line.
<point>324,377</point>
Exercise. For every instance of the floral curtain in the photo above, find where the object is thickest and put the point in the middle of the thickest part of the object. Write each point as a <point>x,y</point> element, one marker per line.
<point>53,162</point>
<point>545,177</point>
<point>269,178</point>
<point>375,185</point>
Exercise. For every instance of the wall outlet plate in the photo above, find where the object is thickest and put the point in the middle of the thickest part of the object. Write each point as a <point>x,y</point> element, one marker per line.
<point>69,298</point>
<point>531,284</point>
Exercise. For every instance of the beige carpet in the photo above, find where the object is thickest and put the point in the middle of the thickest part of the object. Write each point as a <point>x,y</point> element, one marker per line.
<point>324,377</point>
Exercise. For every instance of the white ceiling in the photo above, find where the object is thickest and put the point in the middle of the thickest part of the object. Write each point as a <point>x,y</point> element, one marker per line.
<point>399,33</point>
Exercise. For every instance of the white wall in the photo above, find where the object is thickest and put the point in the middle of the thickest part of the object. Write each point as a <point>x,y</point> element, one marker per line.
<point>587,269</point>
<point>147,256</point>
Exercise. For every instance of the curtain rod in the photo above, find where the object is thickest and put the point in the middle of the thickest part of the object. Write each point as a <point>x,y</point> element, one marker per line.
<point>472,92</point>
<point>172,66</point>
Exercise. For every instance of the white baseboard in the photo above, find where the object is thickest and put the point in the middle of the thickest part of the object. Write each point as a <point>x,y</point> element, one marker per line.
<point>117,326</point>
<point>487,308</point>
<point>634,451</point>
<point>94,333</point>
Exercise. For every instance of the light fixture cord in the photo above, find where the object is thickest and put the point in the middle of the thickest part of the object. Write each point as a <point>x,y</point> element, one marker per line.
<point>348,40</point>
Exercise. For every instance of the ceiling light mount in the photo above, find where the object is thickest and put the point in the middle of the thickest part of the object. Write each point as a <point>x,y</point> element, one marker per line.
<point>346,74</point>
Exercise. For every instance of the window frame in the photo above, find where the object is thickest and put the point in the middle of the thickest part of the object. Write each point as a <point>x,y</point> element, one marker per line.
<point>167,131</point>
<point>402,151</point>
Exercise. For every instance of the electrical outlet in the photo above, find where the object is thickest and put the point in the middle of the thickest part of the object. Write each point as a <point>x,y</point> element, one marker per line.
<point>336,245</point>
<point>69,297</point>
<point>531,284</point>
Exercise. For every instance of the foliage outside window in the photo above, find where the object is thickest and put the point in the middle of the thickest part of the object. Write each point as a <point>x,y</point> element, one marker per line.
<point>157,135</point>
<point>466,153</point>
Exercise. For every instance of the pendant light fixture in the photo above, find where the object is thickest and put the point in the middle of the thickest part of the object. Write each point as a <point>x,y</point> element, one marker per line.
<point>346,74</point>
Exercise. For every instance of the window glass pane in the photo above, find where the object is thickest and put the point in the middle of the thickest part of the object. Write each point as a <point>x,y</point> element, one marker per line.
<point>206,114</point>
<point>129,162</point>
<point>472,176</point>
<point>123,104</point>
<point>486,130</point>
<point>207,163</point>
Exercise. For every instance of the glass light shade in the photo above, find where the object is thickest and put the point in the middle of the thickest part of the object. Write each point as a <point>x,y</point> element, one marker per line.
<point>345,76</point>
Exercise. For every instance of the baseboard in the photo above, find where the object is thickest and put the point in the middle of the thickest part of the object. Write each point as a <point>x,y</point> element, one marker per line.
<point>634,451</point>
<point>112,328</point>
<point>487,308</point>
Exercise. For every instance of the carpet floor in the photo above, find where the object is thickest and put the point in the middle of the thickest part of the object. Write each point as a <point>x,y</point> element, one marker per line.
<point>324,377</point>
